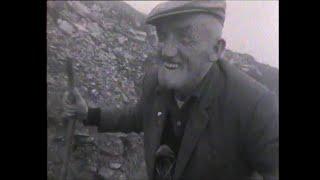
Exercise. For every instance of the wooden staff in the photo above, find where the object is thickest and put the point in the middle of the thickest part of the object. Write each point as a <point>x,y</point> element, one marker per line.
<point>71,123</point>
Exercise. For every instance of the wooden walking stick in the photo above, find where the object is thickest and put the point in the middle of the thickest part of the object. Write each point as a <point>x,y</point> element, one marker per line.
<point>71,124</point>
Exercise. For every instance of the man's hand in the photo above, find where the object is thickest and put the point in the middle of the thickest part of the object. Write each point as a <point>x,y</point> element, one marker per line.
<point>74,105</point>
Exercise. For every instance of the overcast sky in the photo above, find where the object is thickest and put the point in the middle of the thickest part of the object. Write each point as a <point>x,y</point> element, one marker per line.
<point>250,27</point>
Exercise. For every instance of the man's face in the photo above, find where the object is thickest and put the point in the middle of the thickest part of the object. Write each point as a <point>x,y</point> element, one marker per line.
<point>186,46</point>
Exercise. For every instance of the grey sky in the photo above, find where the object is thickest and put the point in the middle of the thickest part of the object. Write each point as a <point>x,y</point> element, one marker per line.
<point>250,27</point>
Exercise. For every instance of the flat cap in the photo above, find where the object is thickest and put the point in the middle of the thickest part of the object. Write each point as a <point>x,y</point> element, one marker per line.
<point>214,7</point>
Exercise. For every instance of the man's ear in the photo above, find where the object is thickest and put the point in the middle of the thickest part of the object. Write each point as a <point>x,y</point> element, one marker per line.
<point>220,48</point>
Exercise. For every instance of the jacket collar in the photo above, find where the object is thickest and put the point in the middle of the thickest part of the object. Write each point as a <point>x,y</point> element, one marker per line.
<point>209,89</point>
<point>211,86</point>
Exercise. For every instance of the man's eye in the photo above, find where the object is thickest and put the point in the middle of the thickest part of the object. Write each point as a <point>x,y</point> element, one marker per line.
<point>184,38</point>
<point>184,35</point>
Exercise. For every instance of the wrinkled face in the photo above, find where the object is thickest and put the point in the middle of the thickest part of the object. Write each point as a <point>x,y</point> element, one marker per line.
<point>186,46</point>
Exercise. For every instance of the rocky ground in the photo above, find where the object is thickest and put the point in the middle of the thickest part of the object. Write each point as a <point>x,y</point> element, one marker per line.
<point>109,45</point>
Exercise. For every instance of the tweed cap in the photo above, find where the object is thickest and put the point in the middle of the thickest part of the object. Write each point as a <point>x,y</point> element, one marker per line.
<point>214,7</point>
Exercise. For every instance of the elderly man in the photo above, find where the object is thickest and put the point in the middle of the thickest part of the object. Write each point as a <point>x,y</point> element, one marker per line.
<point>201,117</point>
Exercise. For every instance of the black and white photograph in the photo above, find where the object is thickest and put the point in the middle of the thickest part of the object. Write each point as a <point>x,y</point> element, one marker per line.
<point>162,90</point>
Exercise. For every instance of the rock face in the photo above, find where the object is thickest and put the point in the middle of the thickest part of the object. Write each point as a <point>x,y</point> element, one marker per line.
<point>109,45</point>
<point>265,74</point>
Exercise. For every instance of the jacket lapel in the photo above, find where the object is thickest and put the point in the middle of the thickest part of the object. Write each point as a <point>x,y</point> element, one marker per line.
<point>154,128</point>
<point>199,117</point>
<point>192,133</point>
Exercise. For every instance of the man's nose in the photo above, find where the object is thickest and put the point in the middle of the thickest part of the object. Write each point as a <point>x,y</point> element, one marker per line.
<point>169,48</point>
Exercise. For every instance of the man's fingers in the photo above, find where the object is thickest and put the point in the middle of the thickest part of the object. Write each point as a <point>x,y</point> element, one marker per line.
<point>73,104</point>
<point>67,114</point>
<point>79,98</point>
<point>76,92</point>
<point>70,106</point>
<point>67,97</point>
<point>70,111</point>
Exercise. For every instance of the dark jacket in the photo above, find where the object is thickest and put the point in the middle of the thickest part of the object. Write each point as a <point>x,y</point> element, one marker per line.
<point>232,132</point>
